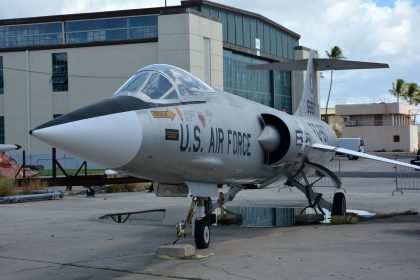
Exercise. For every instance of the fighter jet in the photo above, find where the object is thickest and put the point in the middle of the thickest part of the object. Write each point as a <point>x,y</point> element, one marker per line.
<point>169,127</point>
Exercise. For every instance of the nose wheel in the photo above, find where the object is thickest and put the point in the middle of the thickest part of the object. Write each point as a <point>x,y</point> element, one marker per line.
<point>202,233</point>
<point>200,213</point>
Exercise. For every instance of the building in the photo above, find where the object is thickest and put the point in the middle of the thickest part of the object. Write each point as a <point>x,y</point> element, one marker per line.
<point>384,126</point>
<point>52,65</point>
<point>335,121</point>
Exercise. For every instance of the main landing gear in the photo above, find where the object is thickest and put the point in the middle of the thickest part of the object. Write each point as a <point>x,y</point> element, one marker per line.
<point>201,218</point>
<point>315,200</point>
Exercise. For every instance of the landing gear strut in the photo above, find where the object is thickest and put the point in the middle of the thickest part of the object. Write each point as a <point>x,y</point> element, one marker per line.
<point>200,213</point>
<point>315,200</point>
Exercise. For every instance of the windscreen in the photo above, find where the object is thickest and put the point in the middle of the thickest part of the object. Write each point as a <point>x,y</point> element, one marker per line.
<point>149,85</point>
<point>161,82</point>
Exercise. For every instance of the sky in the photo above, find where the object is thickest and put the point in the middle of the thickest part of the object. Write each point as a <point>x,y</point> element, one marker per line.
<point>385,31</point>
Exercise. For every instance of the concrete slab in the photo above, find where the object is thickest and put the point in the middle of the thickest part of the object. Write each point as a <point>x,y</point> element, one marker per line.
<point>178,251</point>
<point>64,239</point>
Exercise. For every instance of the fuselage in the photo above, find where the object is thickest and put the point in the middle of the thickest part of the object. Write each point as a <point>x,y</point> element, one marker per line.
<point>217,141</point>
<point>211,137</point>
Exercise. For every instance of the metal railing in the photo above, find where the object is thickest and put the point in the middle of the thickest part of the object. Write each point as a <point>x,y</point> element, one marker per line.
<point>406,178</point>
<point>352,101</point>
<point>325,182</point>
<point>379,123</point>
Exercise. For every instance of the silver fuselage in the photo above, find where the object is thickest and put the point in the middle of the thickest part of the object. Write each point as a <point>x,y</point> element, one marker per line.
<point>216,140</point>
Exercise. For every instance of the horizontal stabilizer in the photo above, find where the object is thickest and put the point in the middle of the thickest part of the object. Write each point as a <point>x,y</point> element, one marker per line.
<point>320,64</point>
<point>363,155</point>
<point>289,65</point>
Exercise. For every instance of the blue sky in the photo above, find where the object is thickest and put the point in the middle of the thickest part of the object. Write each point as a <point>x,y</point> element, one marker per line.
<point>372,30</point>
<point>390,3</point>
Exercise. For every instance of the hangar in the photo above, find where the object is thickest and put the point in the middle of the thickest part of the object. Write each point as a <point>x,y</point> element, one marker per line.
<point>52,65</point>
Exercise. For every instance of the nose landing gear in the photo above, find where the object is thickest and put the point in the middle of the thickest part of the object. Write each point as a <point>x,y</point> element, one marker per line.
<point>200,212</point>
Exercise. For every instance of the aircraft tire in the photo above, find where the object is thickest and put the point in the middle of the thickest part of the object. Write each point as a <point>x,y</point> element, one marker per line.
<point>202,234</point>
<point>339,204</point>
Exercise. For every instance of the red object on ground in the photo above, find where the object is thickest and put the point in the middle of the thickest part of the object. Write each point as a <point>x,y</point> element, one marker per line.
<point>9,168</point>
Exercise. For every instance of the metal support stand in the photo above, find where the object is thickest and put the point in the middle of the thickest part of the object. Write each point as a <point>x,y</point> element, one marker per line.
<point>23,166</point>
<point>315,199</point>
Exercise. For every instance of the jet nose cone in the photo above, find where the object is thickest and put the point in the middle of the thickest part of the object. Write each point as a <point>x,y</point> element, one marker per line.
<point>110,140</point>
<point>269,138</point>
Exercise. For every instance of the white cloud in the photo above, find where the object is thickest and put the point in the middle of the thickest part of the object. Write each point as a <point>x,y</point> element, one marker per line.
<point>361,28</point>
<point>80,6</point>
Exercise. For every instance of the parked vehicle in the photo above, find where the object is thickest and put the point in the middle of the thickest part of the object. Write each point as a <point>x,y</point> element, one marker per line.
<point>355,144</point>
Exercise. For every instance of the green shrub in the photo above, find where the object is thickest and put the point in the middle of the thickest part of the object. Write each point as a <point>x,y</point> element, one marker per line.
<point>34,185</point>
<point>7,186</point>
<point>133,187</point>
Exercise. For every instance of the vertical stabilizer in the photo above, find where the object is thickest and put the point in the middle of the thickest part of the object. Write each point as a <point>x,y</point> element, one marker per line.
<point>309,102</point>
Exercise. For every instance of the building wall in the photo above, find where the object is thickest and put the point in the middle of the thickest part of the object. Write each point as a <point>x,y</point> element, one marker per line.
<point>374,108</point>
<point>118,62</point>
<point>182,43</point>
<point>382,137</point>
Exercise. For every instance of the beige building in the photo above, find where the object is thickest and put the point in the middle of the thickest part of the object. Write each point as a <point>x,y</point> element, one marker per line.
<point>384,126</point>
<point>335,121</point>
<point>55,64</point>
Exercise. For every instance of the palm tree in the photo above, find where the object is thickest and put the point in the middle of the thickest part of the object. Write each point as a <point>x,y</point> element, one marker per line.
<point>398,89</point>
<point>335,53</point>
<point>412,93</point>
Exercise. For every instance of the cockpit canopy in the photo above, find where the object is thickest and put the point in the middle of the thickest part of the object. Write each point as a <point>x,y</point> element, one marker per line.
<point>163,83</point>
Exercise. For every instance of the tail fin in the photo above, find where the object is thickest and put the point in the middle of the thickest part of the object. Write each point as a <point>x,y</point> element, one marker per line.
<point>309,102</point>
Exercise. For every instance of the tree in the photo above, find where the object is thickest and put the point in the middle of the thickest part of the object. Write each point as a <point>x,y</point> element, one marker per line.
<point>412,93</point>
<point>398,89</point>
<point>335,53</point>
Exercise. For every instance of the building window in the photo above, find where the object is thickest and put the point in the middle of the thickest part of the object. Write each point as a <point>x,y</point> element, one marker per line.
<point>59,78</point>
<point>2,130</point>
<point>267,44</point>
<point>111,29</point>
<point>223,18</point>
<point>1,76</point>
<point>231,28</point>
<point>253,32</point>
<point>396,138</point>
<point>239,31</point>
<point>247,35</point>
<point>272,88</point>
<point>27,35</point>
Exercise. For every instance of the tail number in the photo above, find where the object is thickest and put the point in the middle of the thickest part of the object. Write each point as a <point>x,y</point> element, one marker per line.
<point>310,106</point>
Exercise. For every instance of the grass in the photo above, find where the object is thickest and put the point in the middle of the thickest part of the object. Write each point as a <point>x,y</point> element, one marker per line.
<point>133,187</point>
<point>7,186</point>
<point>34,185</point>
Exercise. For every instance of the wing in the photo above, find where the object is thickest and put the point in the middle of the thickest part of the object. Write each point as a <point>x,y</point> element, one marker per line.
<point>363,155</point>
